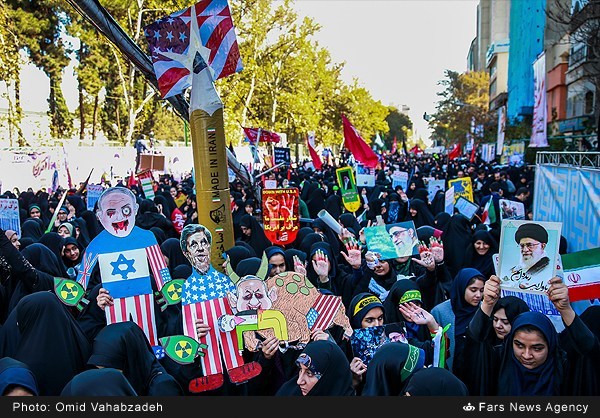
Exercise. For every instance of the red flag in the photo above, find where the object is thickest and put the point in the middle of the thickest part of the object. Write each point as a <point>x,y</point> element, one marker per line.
<point>314,155</point>
<point>454,152</point>
<point>169,44</point>
<point>357,146</point>
<point>395,145</point>
<point>263,136</point>
<point>472,159</point>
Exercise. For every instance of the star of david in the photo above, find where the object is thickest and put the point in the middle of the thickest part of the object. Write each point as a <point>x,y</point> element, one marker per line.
<point>120,262</point>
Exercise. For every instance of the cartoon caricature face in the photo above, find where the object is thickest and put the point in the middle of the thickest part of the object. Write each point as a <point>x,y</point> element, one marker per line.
<point>117,208</point>
<point>195,244</point>
<point>251,293</point>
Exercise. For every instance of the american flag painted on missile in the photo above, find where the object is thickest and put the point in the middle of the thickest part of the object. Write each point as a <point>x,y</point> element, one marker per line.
<point>321,315</point>
<point>203,296</point>
<point>205,28</point>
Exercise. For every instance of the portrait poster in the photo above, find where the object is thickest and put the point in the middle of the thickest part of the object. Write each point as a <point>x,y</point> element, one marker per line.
<point>433,186</point>
<point>462,187</point>
<point>365,176</point>
<point>393,240</point>
<point>348,189</point>
<point>92,195</point>
<point>365,341</point>
<point>528,254</point>
<point>449,201</point>
<point>281,214</point>
<point>9,215</point>
<point>466,207</point>
<point>511,210</point>
<point>270,184</point>
<point>400,178</point>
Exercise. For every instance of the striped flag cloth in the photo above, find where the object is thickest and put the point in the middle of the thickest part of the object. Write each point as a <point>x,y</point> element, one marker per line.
<point>146,181</point>
<point>321,315</point>
<point>582,274</point>
<point>176,56</point>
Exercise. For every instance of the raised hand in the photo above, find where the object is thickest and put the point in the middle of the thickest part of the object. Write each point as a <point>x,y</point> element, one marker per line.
<point>202,329</point>
<point>417,315</point>
<point>354,257</point>
<point>269,347</point>
<point>558,293</point>
<point>299,266</point>
<point>436,246</point>
<point>426,259</point>
<point>321,265</point>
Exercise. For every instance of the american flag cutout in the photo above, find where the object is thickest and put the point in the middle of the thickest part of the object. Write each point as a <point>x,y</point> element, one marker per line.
<point>126,276</point>
<point>158,265</point>
<point>320,316</point>
<point>204,296</point>
<point>188,41</point>
<point>89,261</point>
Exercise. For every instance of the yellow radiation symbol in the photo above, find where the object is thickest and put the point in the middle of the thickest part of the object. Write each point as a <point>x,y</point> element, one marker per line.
<point>68,291</point>
<point>183,349</point>
<point>174,291</point>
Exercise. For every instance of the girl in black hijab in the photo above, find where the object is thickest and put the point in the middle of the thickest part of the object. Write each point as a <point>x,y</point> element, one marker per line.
<point>391,366</point>
<point>419,213</point>
<point>45,336</point>
<point>124,346</point>
<point>32,228</point>
<point>99,382</point>
<point>457,236</point>
<point>171,249</point>
<point>302,233</point>
<point>236,254</point>
<point>56,244</point>
<point>479,253</point>
<point>254,234</point>
<point>434,381</point>
<point>324,370</point>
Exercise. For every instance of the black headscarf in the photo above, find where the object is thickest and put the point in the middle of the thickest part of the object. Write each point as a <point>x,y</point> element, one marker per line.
<point>236,254</point>
<point>513,307</point>
<point>32,228</point>
<point>289,258</point>
<point>463,311</point>
<point>16,373</point>
<point>423,216</point>
<point>248,266</point>
<point>247,246</point>
<point>302,233</point>
<point>48,340</point>
<point>71,263</point>
<point>310,270</point>
<point>435,381</point>
<point>545,380</point>
<point>350,222</point>
<point>457,236</point>
<point>159,234</point>
<point>56,244</point>
<point>77,202</point>
<point>308,241</point>
<point>359,307</point>
<point>93,225</point>
<point>326,358</point>
<point>99,382</point>
<point>398,289</point>
<point>441,219</point>
<point>171,248</point>
<point>391,366</point>
<point>483,263</point>
<point>257,240</point>
<point>43,259</point>
<point>124,346</point>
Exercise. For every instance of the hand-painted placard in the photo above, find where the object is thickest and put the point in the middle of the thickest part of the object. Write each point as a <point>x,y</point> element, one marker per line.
<point>281,214</point>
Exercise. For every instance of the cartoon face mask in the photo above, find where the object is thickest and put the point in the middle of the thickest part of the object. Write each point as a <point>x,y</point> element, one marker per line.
<point>116,211</point>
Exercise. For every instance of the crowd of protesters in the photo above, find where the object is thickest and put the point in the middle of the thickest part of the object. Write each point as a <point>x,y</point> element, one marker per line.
<point>497,346</point>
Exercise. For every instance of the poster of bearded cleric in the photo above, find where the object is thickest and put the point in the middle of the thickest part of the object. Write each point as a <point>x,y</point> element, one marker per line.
<point>528,254</point>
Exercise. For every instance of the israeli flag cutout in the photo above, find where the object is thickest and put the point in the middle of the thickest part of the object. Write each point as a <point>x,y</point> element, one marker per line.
<point>125,273</point>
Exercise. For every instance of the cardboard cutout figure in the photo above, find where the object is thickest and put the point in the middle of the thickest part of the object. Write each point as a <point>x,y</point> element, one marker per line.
<point>347,184</point>
<point>204,297</point>
<point>305,309</point>
<point>124,252</point>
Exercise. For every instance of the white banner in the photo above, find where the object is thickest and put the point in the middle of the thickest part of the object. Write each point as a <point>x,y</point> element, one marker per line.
<point>538,128</point>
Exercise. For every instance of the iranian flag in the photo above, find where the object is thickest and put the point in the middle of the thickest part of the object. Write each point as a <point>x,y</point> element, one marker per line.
<point>489,213</point>
<point>582,274</point>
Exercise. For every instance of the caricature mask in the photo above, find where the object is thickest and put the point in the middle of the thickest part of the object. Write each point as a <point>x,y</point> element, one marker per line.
<point>117,208</point>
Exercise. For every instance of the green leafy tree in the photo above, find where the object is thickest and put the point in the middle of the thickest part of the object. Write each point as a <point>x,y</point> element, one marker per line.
<point>399,127</point>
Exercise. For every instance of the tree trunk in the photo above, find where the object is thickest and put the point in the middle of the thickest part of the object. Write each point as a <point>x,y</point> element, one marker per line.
<point>19,114</point>
<point>95,117</point>
<point>81,113</point>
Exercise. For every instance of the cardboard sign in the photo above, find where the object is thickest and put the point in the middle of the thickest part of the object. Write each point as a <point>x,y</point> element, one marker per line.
<point>365,176</point>
<point>92,195</point>
<point>393,240</point>
<point>466,208</point>
<point>528,254</point>
<point>462,187</point>
<point>281,155</point>
<point>347,185</point>
<point>9,215</point>
<point>281,214</point>
<point>511,210</point>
